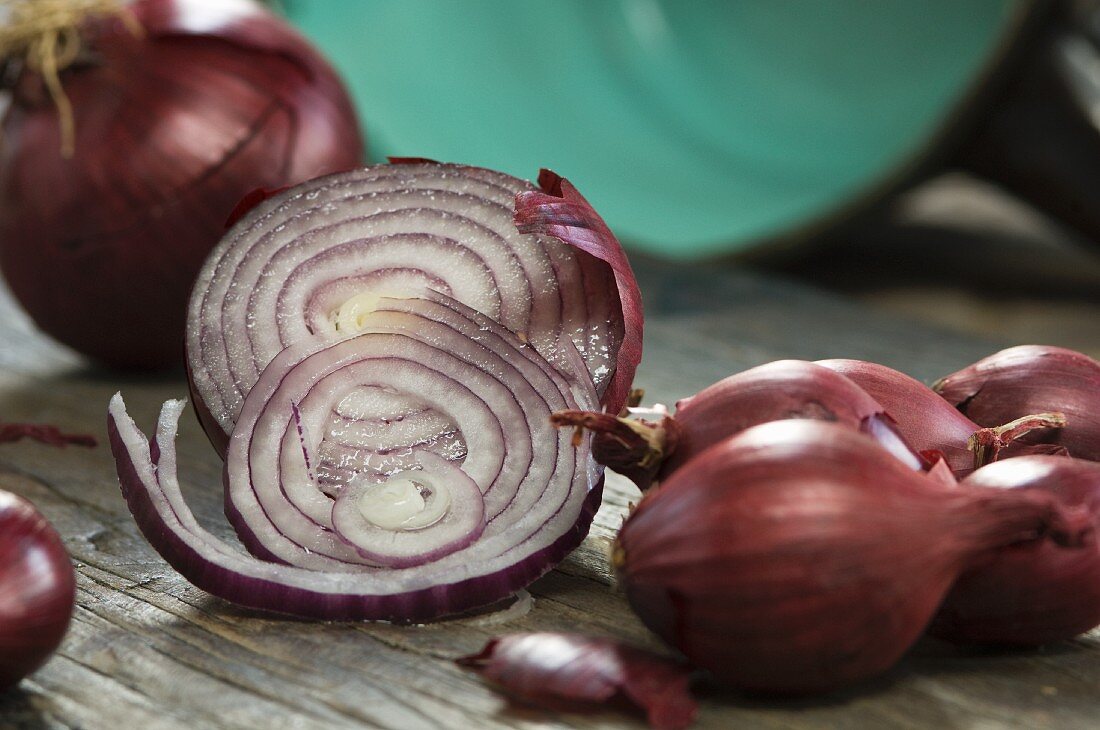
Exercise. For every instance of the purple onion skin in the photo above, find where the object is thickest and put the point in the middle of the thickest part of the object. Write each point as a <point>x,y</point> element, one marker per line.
<point>37,589</point>
<point>569,671</point>
<point>559,210</point>
<point>1030,379</point>
<point>800,557</point>
<point>101,249</point>
<point>1036,592</point>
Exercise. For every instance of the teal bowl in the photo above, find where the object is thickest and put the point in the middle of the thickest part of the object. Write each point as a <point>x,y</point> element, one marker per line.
<point>696,128</point>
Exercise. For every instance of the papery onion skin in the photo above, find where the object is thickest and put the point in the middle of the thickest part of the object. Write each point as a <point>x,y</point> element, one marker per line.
<point>1030,379</point>
<point>1036,592</point>
<point>559,210</point>
<point>778,390</point>
<point>564,671</point>
<point>929,427</point>
<point>37,589</point>
<point>798,556</point>
<point>171,130</point>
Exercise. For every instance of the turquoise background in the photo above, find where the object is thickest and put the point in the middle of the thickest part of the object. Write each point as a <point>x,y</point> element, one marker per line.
<point>693,127</point>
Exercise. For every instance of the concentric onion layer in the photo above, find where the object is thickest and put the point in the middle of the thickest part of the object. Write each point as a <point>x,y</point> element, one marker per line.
<point>534,499</point>
<point>283,273</point>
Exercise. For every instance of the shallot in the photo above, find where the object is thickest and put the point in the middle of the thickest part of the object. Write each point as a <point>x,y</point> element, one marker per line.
<point>930,428</point>
<point>1034,592</point>
<point>1031,379</point>
<point>645,451</point>
<point>799,556</point>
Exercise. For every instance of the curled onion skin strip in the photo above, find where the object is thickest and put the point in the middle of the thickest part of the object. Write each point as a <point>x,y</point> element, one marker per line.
<point>559,210</point>
<point>147,476</point>
<point>267,285</point>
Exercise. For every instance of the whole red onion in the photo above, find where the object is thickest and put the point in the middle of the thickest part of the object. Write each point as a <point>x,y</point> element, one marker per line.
<point>1035,592</point>
<point>799,556</point>
<point>172,127</point>
<point>1028,379</point>
<point>37,589</point>
<point>929,427</point>
<point>644,451</point>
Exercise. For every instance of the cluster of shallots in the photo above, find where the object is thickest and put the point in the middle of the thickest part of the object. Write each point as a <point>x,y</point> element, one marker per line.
<point>808,525</point>
<point>803,524</point>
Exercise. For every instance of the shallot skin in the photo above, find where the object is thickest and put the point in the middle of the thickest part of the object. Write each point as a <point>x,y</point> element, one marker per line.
<point>1036,592</point>
<point>799,556</point>
<point>37,589</point>
<point>1028,379</point>
<point>572,671</point>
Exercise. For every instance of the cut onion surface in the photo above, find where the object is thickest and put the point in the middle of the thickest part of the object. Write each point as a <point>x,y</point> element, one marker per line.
<point>440,531</point>
<point>313,262</point>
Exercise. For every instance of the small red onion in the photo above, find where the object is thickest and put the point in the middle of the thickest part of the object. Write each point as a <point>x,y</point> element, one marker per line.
<point>1031,379</point>
<point>172,127</point>
<point>644,451</point>
<point>1036,592</point>
<point>581,672</point>
<point>799,556</point>
<point>37,589</point>
<point>930,428</point>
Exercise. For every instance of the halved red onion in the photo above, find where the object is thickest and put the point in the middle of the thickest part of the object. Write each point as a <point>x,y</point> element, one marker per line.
<point>313,260</point>
<point>449,535</point>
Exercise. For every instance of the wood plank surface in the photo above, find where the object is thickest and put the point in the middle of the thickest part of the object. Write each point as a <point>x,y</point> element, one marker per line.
<point>148,650</point>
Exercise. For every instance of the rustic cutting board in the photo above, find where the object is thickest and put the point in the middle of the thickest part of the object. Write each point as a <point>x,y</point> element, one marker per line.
<point>148,650</point>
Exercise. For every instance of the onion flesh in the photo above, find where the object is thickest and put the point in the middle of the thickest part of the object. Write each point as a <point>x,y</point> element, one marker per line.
<point>301,265</point>
<point>534,499</point>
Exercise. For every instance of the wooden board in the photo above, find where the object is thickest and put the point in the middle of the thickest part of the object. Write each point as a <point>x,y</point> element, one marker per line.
<point>147,649</point>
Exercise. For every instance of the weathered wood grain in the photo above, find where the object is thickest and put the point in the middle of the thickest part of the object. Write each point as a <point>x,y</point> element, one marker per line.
<point>148,650</point>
